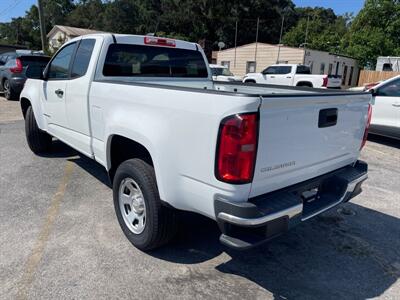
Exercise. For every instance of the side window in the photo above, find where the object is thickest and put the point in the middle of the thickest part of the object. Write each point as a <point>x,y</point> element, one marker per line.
<point>82,58</point>
<point>270,70</point>
<point>303,70</point>
<point>283,70</point>
<point>59,66</point>
<point>10,63</point>
<point>391,89</point>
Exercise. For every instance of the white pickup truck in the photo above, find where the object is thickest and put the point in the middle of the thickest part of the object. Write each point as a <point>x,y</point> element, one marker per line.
<point>257,160</point>
<point>293,75</point>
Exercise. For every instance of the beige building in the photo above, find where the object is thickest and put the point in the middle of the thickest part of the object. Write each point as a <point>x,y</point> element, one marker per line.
<point>256,57</point>
<point>59,34</point>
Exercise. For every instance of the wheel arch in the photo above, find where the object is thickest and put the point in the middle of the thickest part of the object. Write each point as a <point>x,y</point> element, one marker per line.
<point>25,103</point>
<point>305,83</point>
<point>121,148</point>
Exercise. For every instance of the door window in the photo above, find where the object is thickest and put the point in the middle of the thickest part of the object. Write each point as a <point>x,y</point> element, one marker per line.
<point>278,70</point>
<point>82,58</point>
<point>59,66</point>
<point>391,89</point>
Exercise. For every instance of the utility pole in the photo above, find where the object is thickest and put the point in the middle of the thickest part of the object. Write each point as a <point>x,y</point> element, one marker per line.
<point>42,28</point>
<point>305,40</point>
<point>255,52</point>
<point>280,39</point>
<point>234,61</point>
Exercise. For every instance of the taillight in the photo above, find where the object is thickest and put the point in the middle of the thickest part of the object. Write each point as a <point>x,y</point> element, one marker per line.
<point>18,67</point>
<point>237,147</point>
<point>367,126</point>
<point>152,40</point>
<point>325,81</point>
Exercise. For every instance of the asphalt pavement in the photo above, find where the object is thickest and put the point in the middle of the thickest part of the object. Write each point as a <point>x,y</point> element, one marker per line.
<point>60,239</point>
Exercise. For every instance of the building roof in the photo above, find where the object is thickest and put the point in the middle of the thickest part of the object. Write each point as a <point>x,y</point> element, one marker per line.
<point>71,31</point>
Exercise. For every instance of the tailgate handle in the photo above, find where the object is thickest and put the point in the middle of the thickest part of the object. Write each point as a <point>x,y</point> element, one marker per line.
<point>327,117</point>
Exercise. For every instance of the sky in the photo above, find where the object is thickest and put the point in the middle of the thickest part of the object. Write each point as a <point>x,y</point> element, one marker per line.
<point>15,8</point>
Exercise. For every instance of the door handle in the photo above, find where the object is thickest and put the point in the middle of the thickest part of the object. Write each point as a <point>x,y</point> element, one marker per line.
<point>288,76</point>
<point>272,76</point>
<point>396,104</point>
<point>59,93</point>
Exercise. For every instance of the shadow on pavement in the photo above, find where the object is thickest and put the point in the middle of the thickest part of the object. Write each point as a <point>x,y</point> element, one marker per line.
<point>334,256</point>
<point>384,140</point>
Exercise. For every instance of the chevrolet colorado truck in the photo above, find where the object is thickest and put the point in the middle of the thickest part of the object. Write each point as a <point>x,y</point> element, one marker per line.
<point>256,159</point>
<point>293,75</point>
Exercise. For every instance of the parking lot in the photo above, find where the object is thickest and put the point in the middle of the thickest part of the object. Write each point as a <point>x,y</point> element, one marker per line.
<point>59,238</point>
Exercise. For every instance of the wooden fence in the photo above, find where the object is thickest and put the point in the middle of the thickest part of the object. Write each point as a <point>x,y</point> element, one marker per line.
<point>374,76</point>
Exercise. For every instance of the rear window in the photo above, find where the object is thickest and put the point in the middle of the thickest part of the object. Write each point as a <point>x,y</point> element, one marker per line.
<point>303,70</point>
<point>149,61</point>
<point>34,60</point>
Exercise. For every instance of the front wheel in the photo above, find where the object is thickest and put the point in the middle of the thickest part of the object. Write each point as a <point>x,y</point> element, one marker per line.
<point>38,140</point>
<point>143,219</point>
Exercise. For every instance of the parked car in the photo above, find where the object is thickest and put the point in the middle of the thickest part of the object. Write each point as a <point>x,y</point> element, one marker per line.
<point>256,159</point>
<point>13,66</point>
<point>222,73</point>
<point>386,108</point>
<point>293,75</point>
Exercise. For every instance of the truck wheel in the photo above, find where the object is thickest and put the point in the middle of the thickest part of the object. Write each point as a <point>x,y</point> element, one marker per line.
<point>143,219</point>
<point>9,93</point>
<point>38,140</point>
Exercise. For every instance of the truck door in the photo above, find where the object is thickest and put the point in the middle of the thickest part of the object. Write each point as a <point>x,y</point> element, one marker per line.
<point>54,90</point>
<point>279,75</point>
<point>76,102</point>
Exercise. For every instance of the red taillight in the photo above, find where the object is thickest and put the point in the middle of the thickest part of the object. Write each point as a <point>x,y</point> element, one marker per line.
<point>325,81</point>
<point>237,146</point>
<point>18,67</point>
<point>367,126</point>
<point>152,40</point>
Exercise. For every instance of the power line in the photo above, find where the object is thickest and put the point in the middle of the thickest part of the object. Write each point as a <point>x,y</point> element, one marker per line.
<point>11,7</point>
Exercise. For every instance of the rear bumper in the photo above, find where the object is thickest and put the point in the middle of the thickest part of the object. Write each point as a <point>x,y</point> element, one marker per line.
<point>17,84</point>
<point>248,224</point>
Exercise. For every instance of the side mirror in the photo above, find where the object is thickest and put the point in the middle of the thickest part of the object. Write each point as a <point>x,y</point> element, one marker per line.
<point>374,92</point>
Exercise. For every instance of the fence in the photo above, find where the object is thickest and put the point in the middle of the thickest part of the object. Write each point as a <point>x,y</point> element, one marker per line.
<point>374,76</point>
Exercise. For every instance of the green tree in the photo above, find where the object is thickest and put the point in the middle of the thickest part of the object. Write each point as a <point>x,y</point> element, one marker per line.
<point>374,32</point>
<point>323,28</point>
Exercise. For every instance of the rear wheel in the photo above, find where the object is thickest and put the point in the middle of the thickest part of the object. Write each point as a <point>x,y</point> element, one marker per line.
<point>38,140</point>
<point>143,219</point>
<point>9,93</point>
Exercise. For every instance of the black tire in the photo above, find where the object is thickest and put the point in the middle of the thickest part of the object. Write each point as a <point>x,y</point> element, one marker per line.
<point>161,221</point>
<point>9,93</point>
<point>38,140</point>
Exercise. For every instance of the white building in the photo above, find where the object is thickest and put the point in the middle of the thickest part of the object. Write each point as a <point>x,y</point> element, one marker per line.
<point>255,57</point>
<point>59,34</point>
<point>388,63</point>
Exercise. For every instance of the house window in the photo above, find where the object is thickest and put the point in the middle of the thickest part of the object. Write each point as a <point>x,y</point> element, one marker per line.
<point>330,69</point>
<point>250,67</point>
<point>226,64</point>
<point>351,75</point>
<point>387,67</point>
<point>322,68</point>
<point>344,75</point>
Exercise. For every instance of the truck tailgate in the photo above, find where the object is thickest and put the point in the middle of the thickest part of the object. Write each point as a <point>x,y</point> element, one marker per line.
<point>299,138</point>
